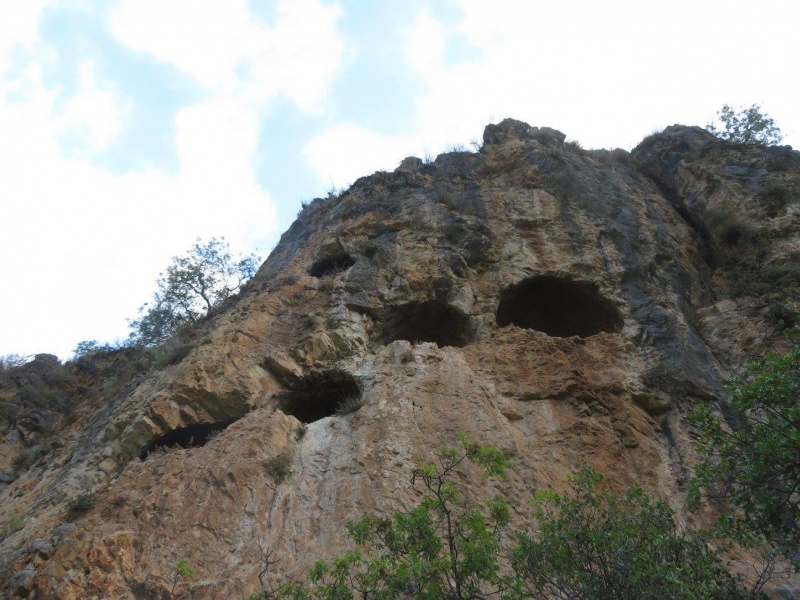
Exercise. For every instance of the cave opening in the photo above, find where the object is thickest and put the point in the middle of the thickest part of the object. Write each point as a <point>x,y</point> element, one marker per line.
<point>331,265</point>
<point>320,395</point>
<point>191,436</point>
<point>431,321</point>
<point>558,307</point>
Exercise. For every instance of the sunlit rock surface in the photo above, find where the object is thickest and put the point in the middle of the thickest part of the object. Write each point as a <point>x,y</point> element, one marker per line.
<point>564,304</point>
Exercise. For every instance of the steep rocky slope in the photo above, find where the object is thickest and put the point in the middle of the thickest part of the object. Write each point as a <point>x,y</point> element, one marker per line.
<point>563,304</point>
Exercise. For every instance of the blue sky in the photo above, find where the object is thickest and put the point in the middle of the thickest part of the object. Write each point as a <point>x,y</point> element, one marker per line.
<point>128,128</point>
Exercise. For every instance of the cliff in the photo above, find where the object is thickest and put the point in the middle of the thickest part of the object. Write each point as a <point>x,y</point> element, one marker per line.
<point>563,304</point>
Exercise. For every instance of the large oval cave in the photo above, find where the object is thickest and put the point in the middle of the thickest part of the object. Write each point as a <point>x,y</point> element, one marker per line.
<point>558,307</point>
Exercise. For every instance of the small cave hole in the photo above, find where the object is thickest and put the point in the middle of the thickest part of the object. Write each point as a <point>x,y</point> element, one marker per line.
<point>558,307</point>
<point>331,265</point>
<point>431,321</point>
<point>320,395</point>
<point>192,436</point>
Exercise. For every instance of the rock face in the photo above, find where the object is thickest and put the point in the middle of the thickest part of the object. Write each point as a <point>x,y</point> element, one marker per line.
<point>563,304</point>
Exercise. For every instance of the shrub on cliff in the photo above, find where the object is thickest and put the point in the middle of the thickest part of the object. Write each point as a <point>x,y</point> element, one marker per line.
<point>753,464</point>
<point>442,548</point>
<point>594,544</point>
<point>747,125</point>
<point>192,286</point>
<point>588,545</point>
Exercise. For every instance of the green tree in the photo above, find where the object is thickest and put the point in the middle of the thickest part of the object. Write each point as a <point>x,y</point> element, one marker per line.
<point>588,545</point>
<point>439,549</point>
<point>753,460</point>
<point>192,286</point>
<point>183,572</point>
<point>90,348</point>
<point>747,125</point>
<point>596,545</point>
<point>12,361</point>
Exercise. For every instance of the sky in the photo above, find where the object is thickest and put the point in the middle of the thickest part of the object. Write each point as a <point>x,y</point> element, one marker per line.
<point>129,128</point>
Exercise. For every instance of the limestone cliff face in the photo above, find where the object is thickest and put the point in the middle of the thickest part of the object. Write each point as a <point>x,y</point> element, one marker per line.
<point>563,304</point>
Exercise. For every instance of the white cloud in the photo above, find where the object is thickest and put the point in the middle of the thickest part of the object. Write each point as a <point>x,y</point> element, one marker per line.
<point>18,24</point>
<point>427,43</point>
<point>300,56</point>
<point>346,152</point>
<point>82,246</point>
<point>604,73</point>
<point>204,38</point>
<point>93,117</point>
<point>226,49</point>
<point>608,73</point>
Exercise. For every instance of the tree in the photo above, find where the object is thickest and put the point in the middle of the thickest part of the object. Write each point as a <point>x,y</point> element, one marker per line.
<point>91,348</point>
<point>439,549</point>
<point>755,463</point>
<point>192,286</point>
<point>588,545</point>
<point>745,125</point>
<point>12,361</point>
<point>596,545</point>
<point>183,571</point>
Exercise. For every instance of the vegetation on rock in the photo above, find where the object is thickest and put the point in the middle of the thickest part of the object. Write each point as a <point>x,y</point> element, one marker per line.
<point>747,125</point>
<point>442,548</point>
<point>591,544</point>
<point>594,544</point>
<point>752,460</point>
<point>193,285</point>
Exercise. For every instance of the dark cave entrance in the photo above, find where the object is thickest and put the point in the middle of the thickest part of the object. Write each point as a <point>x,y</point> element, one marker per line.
<point>192,436</point>
<point>431,321</point>
<point>320,395</point>
<point>331,265</point>
<point>558,307</point>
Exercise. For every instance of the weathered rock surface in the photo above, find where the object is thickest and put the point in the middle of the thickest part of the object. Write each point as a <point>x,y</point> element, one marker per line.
<point>620,278</point>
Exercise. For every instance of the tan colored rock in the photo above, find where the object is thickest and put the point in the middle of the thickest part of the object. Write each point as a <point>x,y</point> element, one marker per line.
<point>413,327</point>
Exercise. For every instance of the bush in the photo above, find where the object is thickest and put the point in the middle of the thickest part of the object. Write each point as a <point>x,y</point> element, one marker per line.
<point>595,544</point>
<point>663,376</point>
<point>746,125</point>
<point>27,458</point>
<point>279,467</point>
<point>13,526</point>
<point>170,352</point>
<point>752,461</point>
<point>12,361</point>
<point>589,545</point>
<point>440,549</point>
<point>349,405</point>
<point>774,197</point>
<point>81,503</point>
<point>88,348</point>
<point>192,286</point>
<point>37,393</point>
<point>183,571</point>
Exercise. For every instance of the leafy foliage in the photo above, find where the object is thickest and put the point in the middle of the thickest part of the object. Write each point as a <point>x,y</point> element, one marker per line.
<point>12,361</point>
<point>191,287</point>
<point>82,502</point>
<point>279,467</point>
<point>597,545</point>
<point>28,457</point>
<point>588,545</point>
<point>747,125</point>
<point>439,549</point>
<point>183,571</point>
<point>754,465</point>
<point>14,524</point>
<point>92,347</point>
